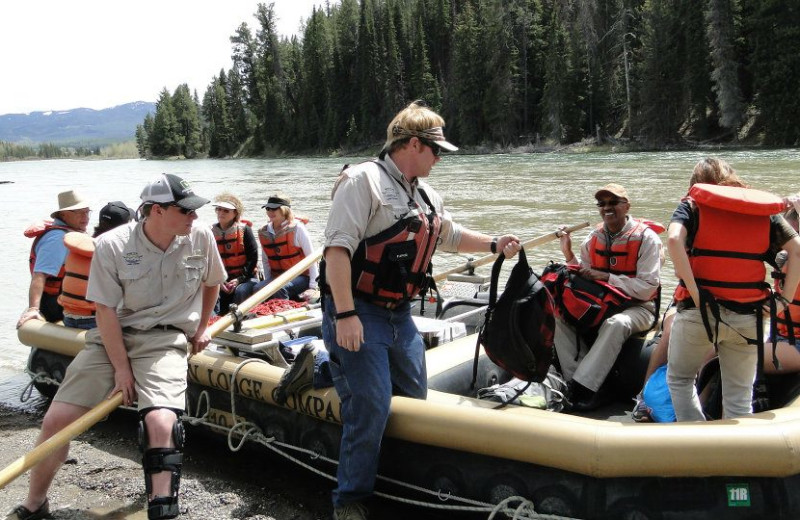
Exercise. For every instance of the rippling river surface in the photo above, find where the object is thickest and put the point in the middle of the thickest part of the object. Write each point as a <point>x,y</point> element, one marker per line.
<point>526,194</point>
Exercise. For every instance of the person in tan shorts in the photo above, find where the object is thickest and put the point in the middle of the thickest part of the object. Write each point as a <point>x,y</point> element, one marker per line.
<point>155,284</point>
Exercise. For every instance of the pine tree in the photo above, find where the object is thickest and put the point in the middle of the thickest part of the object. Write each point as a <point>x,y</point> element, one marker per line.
<point>270,81</point>
<point>422,84</point>
<point>142,145</point>
<point>469,81</point>
<point>369,69</point>
<point>316,107</point>
<point>163,137</point>
<point>239,114</point>
<point>187,119</point>
<point>394,87</point>
<point>558,70</point>
<point>721,37</point>
<point>774,40</point>
<point>215,111</point>
<point>663,96</point>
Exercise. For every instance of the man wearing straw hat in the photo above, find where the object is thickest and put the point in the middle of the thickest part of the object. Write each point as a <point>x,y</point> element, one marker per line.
<point>48,254</point>
<point>155,283</point>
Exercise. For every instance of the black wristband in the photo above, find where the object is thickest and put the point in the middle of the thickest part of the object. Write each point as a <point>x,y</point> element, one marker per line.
<point>493,246</point>
<point>345,314</point>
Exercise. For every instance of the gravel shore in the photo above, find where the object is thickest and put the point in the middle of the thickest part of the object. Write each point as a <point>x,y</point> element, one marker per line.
<point>102,478</point>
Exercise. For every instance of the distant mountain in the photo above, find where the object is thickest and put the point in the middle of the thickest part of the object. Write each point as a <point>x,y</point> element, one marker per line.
<point>76,127</point>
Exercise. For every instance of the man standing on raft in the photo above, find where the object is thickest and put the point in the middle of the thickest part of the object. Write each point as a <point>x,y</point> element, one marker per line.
<point>384,225</point>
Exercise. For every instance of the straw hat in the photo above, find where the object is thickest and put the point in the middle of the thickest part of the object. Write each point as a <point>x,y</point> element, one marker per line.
<point>68,201</point>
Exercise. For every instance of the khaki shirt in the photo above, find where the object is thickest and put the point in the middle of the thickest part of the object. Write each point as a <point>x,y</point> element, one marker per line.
<point>367,201</point>
<point>150,287</point>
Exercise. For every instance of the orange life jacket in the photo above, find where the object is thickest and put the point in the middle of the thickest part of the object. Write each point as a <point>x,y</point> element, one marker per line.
<point>394,266</point>
<point>280,249</point>
<point>732,242</point>
<point>52,284</point>
<point>76,276</point>
<point>621,255</point>
<point>781,321</point>
<point>230,244</point>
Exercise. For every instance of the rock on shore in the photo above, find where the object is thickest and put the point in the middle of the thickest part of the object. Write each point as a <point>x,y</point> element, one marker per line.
<point>103,479</point>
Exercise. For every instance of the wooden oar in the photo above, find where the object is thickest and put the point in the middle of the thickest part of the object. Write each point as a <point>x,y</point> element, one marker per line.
<point>90,418</point>
<point>265,292</point>
<point>491,257</point>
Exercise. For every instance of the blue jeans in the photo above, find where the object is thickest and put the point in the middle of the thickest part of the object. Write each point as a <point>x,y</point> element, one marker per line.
<point>290,291</point>
<point>391,361</point>
<point>240,294</point>
<point>322,370</point>
<point>83,323</point>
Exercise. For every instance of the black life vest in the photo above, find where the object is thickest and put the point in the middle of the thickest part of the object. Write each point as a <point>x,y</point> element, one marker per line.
<point>394,265</point>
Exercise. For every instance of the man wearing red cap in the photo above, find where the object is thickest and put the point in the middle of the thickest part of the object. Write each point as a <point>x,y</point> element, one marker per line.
<point>626,253</point>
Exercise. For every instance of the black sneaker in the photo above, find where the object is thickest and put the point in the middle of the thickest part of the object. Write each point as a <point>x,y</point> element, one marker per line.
<point>298,377</point>
<point>23,513</point>
<point>592,402</point>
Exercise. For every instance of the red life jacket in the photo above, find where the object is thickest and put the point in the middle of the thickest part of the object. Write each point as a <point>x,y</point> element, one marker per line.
<point>76,275</point>
<point>52,284</point>
<point>781,321</point>
<point>621,255</point>
<point>280,249</point>
<point>394,266</point>
<point>230,244</point>
<point>732,242</point>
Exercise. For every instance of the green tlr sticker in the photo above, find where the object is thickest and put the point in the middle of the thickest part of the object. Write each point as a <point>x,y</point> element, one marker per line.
<point>738,495</point>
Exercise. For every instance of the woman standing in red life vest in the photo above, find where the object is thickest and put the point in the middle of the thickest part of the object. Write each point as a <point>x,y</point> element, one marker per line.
<point>238,249</point>
<point>719,239</point>
<point>707,171</point>
<point>285,242</point>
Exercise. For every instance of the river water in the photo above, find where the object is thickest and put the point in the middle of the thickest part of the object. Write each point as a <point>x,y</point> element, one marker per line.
<point>526,194</point>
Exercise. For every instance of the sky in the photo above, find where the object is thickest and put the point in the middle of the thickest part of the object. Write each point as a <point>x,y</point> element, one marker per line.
<point>59,55</point>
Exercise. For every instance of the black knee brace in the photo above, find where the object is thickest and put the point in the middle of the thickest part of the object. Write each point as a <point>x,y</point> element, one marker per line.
<point>156,460</point>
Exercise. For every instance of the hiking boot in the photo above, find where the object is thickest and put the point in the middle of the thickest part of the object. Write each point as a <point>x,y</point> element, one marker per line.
<point>641,412</point>
<point>298,377</point>
<point>23,513</point>
<point>352,511</point>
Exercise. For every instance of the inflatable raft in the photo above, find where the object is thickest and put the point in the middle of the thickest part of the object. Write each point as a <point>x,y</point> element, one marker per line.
<point>455,446</point>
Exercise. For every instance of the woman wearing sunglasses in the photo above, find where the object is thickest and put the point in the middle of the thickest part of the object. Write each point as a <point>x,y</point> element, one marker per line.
<point>284,243</point>
<point>238,248</point>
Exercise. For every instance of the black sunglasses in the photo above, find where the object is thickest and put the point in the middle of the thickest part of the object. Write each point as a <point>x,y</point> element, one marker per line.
<point>434,148</point>
<point>614,202</point>
<point>180,208</point>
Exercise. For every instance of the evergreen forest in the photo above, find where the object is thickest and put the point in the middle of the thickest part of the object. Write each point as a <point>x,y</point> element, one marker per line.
<point>503,74</point>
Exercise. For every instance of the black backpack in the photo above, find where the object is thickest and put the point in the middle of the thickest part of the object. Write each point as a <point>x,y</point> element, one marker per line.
<point>517,333</point>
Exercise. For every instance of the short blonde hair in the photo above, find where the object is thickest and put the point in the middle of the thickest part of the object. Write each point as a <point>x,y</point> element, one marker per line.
<point>230,198</point>
<point>415,120</point>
